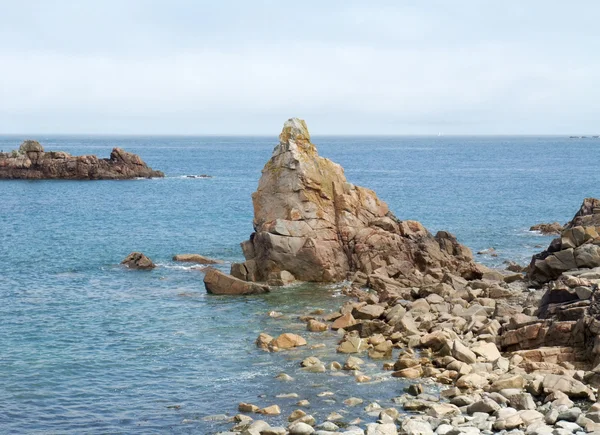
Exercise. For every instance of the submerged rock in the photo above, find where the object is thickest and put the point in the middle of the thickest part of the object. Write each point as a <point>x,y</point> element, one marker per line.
<point>137,260</point>
<point>32,162</point>
<point>195,258</point>
<point>219,283</point>
<point>312,224</point>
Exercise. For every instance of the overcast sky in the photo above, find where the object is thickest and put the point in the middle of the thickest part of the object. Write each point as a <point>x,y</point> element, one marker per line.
<point>347,67</point>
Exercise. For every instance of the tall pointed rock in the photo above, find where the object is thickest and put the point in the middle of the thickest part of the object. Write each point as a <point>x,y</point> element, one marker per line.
<point>312,225</point>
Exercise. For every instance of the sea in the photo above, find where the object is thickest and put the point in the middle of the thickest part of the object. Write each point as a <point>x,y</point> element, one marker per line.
<point>89,347</point>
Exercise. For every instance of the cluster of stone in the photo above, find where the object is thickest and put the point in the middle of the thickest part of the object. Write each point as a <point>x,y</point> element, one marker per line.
<point>451,333</point>
<point>32,162</point>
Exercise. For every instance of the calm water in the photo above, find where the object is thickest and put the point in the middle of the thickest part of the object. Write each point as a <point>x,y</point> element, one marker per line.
<point>87,347</point>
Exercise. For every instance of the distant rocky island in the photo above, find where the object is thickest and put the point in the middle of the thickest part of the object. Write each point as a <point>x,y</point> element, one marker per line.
<point>30,161</point>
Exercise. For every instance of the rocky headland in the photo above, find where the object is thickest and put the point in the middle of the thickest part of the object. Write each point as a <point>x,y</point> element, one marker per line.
<point>509,353</point>
<point>30,161</point>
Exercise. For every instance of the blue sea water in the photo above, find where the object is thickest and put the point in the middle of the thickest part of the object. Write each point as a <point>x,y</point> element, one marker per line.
<point>89,347</point>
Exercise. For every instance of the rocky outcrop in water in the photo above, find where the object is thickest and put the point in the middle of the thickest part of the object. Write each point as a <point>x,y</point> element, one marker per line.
<point>311,224</point>
<point>547,229</point>
<point>577,247</point>
<point>195,258</point>
<point>32,162</point>
<point>219,283</point>
<point>137,260</point>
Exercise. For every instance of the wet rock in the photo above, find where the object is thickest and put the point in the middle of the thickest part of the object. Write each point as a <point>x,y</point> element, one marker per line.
<point>247,407</point>
<point>270,410</point>
<point>352,344</point>
<point>195,258</point>
<point>263,341</point>
<point>137,260</point>
<point>316,326</point>
<point>287,341</point>
<point>219,283</point>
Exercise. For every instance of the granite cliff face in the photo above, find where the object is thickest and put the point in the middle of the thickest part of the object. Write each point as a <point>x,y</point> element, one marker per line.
<point>32,162</point>
<point>311,224</point>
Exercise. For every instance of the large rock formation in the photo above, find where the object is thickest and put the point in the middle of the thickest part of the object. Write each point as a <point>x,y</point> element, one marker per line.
<point>577,247</point>
<point>31,162</point>
<point>310,222</point>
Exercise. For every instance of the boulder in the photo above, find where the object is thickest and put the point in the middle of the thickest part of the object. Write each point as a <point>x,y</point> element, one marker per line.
<point>486,350</point>
<point>137,260</point>
<point>311,222</point>
<point>287,341</point>
<point>343,322</point>
<point>195,258</point>
<point>566,384</point>
<point>32,162</point>
<point>316,326</point>
<point>219,283</point>
<point>463,353</point>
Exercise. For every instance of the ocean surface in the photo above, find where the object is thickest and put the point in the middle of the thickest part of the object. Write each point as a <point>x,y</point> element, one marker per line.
<point>89,347</point>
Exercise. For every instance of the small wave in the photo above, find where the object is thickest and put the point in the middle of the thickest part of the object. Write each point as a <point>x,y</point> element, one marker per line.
<point>194,177</point>
<point>538,233</point>
<point>181,267</point>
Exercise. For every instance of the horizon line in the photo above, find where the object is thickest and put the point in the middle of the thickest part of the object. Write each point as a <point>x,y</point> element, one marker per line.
<point>568,135</point>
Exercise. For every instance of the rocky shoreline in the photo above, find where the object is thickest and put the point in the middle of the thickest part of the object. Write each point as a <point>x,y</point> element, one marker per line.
<point>31,162</point>
<point>507,357</point>
<point>510,352</point>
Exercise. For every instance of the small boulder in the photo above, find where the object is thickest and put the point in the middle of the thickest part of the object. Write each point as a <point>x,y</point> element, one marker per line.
<point>287,341</point>
<point>270,410</point>
<point>316,326</point>
<point>343,322</point>
<point>137,260</point>
<point>463,353</point>
<point>263,341</point>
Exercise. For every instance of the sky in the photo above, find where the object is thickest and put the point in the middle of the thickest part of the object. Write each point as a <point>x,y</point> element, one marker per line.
<point>347,67</point>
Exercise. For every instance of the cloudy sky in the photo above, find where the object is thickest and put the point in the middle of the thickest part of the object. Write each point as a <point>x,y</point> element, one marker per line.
<point>347,67</point>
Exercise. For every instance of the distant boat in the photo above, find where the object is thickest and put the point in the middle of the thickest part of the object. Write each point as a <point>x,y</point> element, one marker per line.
<point>573,137</point>
<point>439,134</point>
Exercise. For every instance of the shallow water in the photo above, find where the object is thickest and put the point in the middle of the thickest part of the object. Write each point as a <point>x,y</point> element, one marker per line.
<point>88,347</point>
